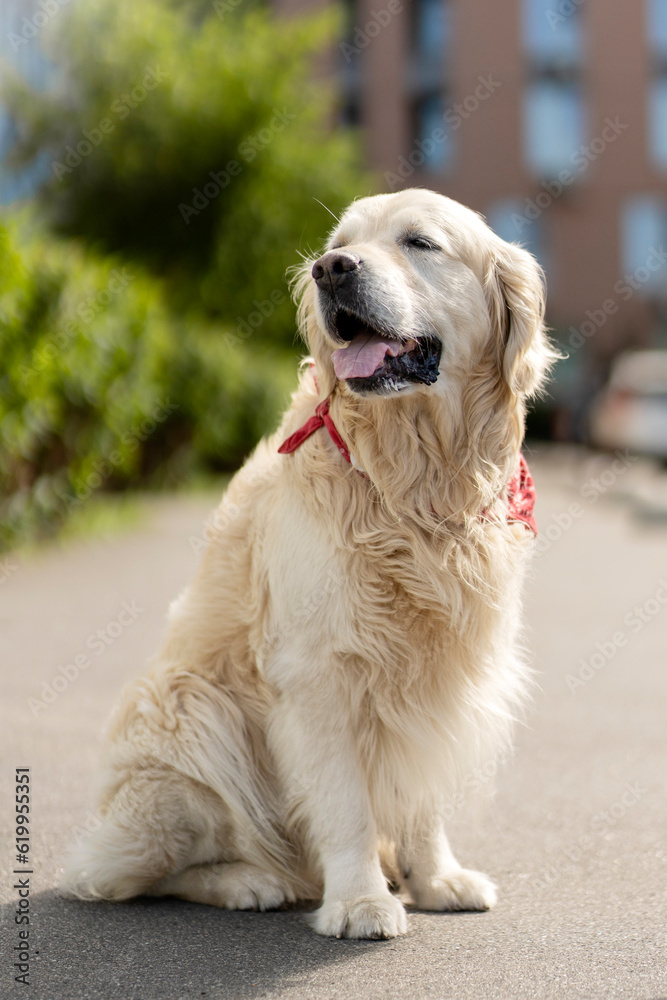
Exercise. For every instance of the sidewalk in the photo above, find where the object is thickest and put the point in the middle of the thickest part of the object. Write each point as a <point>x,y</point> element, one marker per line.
<point>574,836</point>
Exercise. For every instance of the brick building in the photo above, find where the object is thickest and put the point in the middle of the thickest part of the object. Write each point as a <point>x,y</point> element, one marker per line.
<point>548,116</point>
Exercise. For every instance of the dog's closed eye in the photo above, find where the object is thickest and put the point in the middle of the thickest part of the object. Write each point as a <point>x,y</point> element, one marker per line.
<point>417,242</point>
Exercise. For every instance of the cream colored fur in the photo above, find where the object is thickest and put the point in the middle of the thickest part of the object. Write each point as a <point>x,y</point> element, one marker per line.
<point>348,648</point>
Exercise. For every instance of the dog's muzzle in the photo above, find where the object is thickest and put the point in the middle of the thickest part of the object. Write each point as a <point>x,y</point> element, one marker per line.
<point>375,359</point>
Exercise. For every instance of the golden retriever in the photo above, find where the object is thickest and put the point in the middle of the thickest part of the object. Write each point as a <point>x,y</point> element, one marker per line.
<point>348,650</point>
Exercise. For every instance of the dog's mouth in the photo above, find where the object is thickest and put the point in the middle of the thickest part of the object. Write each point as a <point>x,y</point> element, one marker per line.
<point>375,361</point>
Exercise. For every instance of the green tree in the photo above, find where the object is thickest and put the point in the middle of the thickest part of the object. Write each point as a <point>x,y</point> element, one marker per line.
<point>197,139</point>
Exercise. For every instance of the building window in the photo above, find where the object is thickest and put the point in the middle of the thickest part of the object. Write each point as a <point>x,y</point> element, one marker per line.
<point>430,34</point>
<point>657,26</point>
<point>428,84</point>
<point>434,137</point>
<point>657,92</point>
<point>552,32</point>
<point>644,237</point>
<point>514,220</point>
<point>553,112</point>
<point>350,66</point>
<point>553,117</point>
<point>658,121</point>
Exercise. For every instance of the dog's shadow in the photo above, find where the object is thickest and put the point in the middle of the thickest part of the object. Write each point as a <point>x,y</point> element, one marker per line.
<point>165,949</point>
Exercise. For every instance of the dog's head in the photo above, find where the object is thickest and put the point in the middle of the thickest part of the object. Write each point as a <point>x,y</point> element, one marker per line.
<point>412,291</point>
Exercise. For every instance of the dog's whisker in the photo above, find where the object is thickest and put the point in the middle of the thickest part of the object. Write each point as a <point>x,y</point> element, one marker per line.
<point>332,214</point>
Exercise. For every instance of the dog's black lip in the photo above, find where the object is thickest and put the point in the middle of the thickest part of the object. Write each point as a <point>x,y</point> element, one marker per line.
<point>346,325</point>
<point>420,365</point>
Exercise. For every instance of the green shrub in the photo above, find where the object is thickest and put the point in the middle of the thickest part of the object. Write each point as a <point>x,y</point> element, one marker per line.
<point>102,385</point>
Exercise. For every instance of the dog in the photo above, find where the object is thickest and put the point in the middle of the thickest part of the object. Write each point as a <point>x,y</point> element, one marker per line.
<point>350,645</point>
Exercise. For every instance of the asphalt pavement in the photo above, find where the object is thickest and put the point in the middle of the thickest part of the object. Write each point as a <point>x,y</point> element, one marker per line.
<point>574,835</point>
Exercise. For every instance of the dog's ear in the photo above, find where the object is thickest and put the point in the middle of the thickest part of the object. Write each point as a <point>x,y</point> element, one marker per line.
<point>515,292</point>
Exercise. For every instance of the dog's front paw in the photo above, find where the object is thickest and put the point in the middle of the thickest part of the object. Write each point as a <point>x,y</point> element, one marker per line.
<point>460,889</point>
<point>378,916</point>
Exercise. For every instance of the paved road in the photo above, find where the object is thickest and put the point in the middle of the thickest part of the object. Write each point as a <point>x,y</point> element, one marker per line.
<point>574,835</point>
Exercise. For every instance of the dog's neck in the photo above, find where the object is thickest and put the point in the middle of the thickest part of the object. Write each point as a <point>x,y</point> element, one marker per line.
<point>426,453</point>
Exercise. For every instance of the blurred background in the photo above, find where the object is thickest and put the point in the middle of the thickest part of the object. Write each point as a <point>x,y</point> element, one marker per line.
<point>163,162</point>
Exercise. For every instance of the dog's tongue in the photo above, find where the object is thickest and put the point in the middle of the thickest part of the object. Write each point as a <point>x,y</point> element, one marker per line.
<point>365,354</point>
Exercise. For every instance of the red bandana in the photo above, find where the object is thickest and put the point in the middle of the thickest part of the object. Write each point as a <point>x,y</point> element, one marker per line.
<point>520,489</point>
<point>521,496</point>
<point>321,419</point>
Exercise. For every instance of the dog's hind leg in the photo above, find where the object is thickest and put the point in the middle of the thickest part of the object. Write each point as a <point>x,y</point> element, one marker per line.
<point>189,783</point>
<point>156,822</point>
<point>235,886</point>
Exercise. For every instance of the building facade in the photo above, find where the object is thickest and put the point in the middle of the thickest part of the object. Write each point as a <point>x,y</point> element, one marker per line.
<point>550,118</point>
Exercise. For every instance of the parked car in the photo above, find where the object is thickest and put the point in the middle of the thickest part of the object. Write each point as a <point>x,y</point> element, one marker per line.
<point>631,410</point>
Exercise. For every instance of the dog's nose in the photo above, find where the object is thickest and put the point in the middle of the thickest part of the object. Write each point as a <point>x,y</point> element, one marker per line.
<point>334,268</point>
